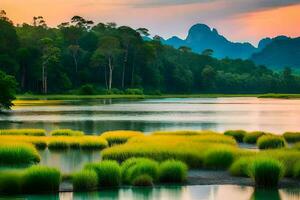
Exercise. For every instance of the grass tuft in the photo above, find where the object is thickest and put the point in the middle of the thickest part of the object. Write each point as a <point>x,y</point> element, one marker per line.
<point>10,182</point>
<point>143,181</point>
<point>58,145</point>
<point>172,171</point>
<point>252,137</point>
<point>219,158</point>
<point>29,132</point>
<point>85,180</point>
<point>297,170</point>
<point>66,132</point>
<point>184,133</point>
<point>238,135</point>
<point>120,137</point>
<point>240,167</point>
<point>271,142</point>
<point>143,167</point>
<point>292,137</point>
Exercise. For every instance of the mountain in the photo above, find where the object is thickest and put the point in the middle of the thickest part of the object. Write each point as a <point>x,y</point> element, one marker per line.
<point>201,37</point>
<point>278,52</point>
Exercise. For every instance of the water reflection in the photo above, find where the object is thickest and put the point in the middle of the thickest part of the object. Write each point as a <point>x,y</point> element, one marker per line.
<point>262,194</point>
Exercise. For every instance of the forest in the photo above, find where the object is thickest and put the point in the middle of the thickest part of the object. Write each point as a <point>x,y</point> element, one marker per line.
<point>83,57</point>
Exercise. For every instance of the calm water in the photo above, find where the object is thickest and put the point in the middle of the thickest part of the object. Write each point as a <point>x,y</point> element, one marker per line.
<point>96,116</point>
<point>177,193</point>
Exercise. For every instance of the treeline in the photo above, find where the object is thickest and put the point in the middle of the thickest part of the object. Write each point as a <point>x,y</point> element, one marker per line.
<point>106,58</point>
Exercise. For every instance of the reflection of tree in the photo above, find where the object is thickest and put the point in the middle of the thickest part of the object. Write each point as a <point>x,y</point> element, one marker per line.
<point>264,194</point>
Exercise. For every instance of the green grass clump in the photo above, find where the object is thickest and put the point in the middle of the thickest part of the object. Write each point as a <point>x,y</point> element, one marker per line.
<point>146,167</point>
<point>238,135</point>
<point>172,171</point>
<point>29,132</point>
<point>98,144</point>
<point>40,179</point>
<point>271,142</point>
<point>58,145</point>
<point>18,154</point>
<point>66,132</point>
<point>292,137</point>
<point>85,180</point>
<point>240,167</point>
<point>266,172</point>
<point>297,146</point>
<point>120,136</point>
<point>219,158</point>
<point>143,181</point>
<point>10,182</point>
<point>297,170</point>
<point>184,133</point>
<point>108,172</point>
<point>252,137</point>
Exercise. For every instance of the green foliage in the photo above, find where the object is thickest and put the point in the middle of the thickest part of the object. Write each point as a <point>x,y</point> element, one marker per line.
<point>58,145</point>
<point>252,137</point>
<point>18,154</point>
<point>8,89</point>
<point>85,180</point>
<point>240,167</point>
<point>10,182</point>
<point>143,181</point>
<point>266,172</point>
<point>120,136</point>
<point>87,89</point>
<point>237,134</point>
<point>143,167</point>
<point>108,172</point>
<point>40,179</point>
<point>29,132</point>
<point>134,91</point>
<point>292,137</point>
<point>172,171</point>
<point>297,170</point>
<point>219,158</point>
<point>66,132</point>
<point>271,142</point>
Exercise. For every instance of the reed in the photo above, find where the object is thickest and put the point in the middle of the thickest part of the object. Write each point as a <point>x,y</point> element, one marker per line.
<point>85,180</point>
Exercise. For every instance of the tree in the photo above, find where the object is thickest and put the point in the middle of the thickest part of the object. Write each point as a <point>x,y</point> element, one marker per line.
<point>74,50</point>
<point>8,87</point>
<point>208,52</point>
<point>185,49</point>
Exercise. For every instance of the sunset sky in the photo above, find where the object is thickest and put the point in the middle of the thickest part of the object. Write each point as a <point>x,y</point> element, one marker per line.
<point>238,20</point>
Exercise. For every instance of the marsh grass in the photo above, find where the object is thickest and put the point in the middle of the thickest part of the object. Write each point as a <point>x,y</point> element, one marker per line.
<point>238,135</point>
<point>172,171</point>
<point>252,137</point>
<point>108,172</point>
<point>143,181</point>
<point>40,179</point>
<point>18,154</point>
<point>292,137</point>
<point>66,132</point>
<point>29,132</point>
<point>219,158</point>
<point>85,180</point>
<point>296,172</point>
<point>271,142</point>
<point>120,136</point>
<point>297,146</point>
<point>240,167</point>
<point>266,172</point>
<point>184,133</point>
<point>58,145</point>
<point>10,182</point>
<point>143,167</point>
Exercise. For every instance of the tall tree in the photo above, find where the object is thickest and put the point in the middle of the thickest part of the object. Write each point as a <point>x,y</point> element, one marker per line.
<point>8,87</point>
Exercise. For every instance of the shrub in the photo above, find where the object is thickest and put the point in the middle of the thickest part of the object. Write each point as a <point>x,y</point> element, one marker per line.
<point>58,145</point>
<point>18,154</point>
<point>143,181</point>
<point>66,132</point>
<point>219,158</point>
<point>271,142</point>
<point>39,179</point>
<point>252,137</point>
<point>85,180</point>
<point>30,132</point>
<point>292,137</point>
<point>87,89</point>
<point>134,91</point>
<point>120,137</point>
<point>238,135</point>
<point>297,170</point>
<point>10,182</point>
<point>266,172</point>
<point>240,167</point>
<point>172,171</point>
<point>108,172</point>
<point>145,167</point>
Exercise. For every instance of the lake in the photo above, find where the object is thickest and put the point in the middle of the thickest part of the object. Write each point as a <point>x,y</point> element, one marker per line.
<point>97,116</point>
<point>213,192</point>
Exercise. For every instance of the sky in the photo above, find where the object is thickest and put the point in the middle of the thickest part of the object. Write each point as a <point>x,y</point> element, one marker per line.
<point>238,20</point>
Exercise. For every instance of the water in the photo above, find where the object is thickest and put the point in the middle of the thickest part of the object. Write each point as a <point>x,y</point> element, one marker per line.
<point>213,192</point>
<point>97,116</point>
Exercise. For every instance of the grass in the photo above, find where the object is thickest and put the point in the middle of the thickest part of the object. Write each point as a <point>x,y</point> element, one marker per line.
<point>271,142</point>
<point>219,158</point>
<point>292,137</point>
<point>40,179</point>
<point>66,132</point>
<point>143,167</point>
<point>238,135</point>
<point>143,181</point>
<point>266,172</point>
<point>108,172</point>
<point>18,154</point>
<point>240,167</point>
<point>172,171</point>
<point>297,146</point>
<point>10,182</point>
<point>29,132</point>
<point>58,145</point>
<point>120,136</point>
<point>252,137</point>
<point>184,133</point>
<point>297,170</point>
<point>85,180</point>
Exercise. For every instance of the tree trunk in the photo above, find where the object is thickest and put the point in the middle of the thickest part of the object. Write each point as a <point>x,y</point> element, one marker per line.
<point>75,62</point>
<point>124,67</point>
<point>133,71</point>
<point>110,73</point>
<point>43,78</point>
<point>105,77</point>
